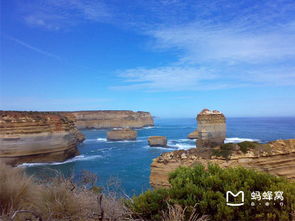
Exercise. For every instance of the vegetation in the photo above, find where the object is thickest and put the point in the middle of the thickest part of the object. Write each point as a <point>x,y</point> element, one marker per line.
<point>202,191</point>
<point>247,145</point>
<point>23,198</point>
<point>194,194</point>
<point>225,150</point>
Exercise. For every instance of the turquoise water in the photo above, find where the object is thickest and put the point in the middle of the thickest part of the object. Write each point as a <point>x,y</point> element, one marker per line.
<point>128,162</point>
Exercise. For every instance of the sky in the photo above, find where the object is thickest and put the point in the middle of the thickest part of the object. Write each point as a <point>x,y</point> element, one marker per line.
<point>169,57</point>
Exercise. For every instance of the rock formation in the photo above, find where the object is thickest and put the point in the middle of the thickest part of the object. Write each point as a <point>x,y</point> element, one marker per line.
<point>110,119</point>
<point>37,137</point>
<point>211,128</point>
<point>157,141</point>
<point>121,134</point>
<point>193,135</point>
<point>277,158</point>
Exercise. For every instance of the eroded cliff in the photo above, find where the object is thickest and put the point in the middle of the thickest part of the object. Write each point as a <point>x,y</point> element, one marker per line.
<point>37,137</point>
<point>110,119</point>
<point>277,157</point>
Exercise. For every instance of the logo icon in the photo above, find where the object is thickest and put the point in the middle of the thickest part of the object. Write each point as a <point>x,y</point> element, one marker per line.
<point>229,193</point>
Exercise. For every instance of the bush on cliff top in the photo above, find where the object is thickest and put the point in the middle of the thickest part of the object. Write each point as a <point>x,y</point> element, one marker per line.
<point>203,191</point>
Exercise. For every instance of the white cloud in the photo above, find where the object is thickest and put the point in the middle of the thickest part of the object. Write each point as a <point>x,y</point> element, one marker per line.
<point>54,15</point>
<point>225,43</point>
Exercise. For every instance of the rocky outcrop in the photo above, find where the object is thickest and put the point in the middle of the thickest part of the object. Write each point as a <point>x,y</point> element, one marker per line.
<point>277,158</point>
<point>193,135</point>
<point>121,134</point>
<point>110,119</point>
<point>37,137</point>
<point>157,141</point>
<point>211,128</point>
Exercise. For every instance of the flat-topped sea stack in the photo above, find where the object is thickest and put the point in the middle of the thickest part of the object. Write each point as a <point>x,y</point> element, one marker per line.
<point>157,141</point>
<point>211,128</point>
<point>105,119</point>
<point>37,137</point>
<point>121,134</point>
<point>276,157</point>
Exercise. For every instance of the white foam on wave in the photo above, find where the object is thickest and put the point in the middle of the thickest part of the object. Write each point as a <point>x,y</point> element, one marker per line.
<point>238,140</point>
<point>101,139</point>
<point>75,159</point>
<point>159,148</point>
<point>181,146</point>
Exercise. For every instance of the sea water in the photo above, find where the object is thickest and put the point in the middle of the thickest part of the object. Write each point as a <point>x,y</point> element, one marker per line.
<point>127,163</point>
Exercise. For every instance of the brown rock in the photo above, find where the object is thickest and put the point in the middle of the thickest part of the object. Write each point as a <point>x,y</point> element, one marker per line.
<point>157,141</point>
<point>277,158</point>
<point>211,128</point>
<point>122,134</point>
<point>110,119</point>
<point>193,135</point>
<point>37,137</point>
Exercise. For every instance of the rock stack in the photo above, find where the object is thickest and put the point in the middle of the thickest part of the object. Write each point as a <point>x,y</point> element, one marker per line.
<point>121,134</point>
<point>211,128</point>
<point>157,141</point>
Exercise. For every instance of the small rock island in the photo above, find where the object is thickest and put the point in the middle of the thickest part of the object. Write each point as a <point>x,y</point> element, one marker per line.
<point>121,134</point>
<point>157,141</point>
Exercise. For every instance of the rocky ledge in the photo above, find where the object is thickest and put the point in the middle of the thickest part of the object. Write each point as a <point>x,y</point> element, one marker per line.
<point>276,157</point>
<point>110,119</point>
<point>37,137</point>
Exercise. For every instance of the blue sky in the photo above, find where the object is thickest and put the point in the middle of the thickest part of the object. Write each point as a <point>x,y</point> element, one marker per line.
<point>170,57</point>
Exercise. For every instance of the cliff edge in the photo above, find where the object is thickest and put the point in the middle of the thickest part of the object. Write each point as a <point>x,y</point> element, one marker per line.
<point>276,157</point>
<point>37,137</point>
<point>110,119</point>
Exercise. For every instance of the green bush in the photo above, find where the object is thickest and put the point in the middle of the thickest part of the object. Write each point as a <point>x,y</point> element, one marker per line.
<point>247,145</point>
<point>225,150</point>
<point>205,190</point>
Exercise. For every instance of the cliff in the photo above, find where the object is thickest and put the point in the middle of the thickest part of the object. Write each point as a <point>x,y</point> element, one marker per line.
<point>37,137</point>
<point>110,119</point>
<point>211,128</point>
<point>277,158</point>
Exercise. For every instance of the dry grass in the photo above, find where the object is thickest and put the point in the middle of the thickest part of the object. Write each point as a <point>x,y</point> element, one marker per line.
<point>177,213</point>
<point>21,198</point>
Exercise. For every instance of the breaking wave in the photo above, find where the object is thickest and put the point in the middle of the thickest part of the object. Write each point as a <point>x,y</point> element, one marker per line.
<point>238,140</point>
<point>75,159</point>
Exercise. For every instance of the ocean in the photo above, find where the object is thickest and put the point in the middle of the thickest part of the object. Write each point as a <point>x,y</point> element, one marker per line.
<point>124,166</point>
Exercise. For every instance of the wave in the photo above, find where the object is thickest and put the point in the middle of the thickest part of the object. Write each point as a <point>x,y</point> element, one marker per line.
<point>75,159</point>
<point>102,139</point>
<point>181,146</point>
<point>238,140</point>
<point>159,148</point>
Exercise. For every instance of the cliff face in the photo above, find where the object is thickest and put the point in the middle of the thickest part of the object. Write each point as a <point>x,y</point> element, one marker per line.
<point>277,157</point>
<point>37,137</point>
<point>211,128</point>
<point>110,119</point>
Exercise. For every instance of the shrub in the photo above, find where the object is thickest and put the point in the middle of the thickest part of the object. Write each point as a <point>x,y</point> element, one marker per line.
<point>204,191</point>
<point>225,150</point>
<point>245,146</point>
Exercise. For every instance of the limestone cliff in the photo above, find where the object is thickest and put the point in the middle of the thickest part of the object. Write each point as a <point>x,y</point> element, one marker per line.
<point>277,157</point>
<point>37,137</point>
<point>211,128</point>
<point>110,119</point>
